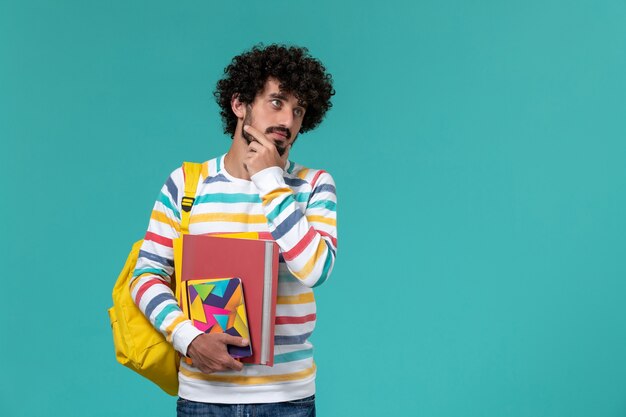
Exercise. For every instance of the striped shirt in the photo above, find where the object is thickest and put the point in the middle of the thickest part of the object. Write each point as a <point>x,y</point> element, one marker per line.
<point>297,206</point>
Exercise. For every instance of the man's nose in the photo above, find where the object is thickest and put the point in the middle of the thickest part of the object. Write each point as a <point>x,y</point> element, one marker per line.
<point>286,118</point>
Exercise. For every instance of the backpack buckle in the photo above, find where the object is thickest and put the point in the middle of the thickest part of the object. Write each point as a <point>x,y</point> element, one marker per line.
<point>186,203</point>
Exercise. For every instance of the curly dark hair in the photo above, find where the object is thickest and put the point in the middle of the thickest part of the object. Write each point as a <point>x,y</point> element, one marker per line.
<point>298,73</point>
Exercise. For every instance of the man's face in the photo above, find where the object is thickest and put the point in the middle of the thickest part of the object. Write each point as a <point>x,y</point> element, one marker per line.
<point>276,113</point>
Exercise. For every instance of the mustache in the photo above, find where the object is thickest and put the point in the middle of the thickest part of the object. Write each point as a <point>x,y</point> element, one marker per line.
<point>282,130</point>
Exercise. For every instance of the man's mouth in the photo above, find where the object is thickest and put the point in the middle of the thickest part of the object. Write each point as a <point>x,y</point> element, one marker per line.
<point>279,137</point>
<point>279,133</point>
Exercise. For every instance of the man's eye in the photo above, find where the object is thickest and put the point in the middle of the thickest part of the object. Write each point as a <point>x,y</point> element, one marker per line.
<point>276,103</point>
<point>298,112</point>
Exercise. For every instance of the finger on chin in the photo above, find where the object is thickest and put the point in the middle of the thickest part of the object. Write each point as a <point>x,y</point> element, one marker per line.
<point>285,156</point>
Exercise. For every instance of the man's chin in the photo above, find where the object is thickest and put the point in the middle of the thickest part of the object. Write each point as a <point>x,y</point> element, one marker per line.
<point>280,146</point>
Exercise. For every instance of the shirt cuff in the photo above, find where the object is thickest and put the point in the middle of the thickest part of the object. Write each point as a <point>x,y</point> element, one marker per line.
<point>184,335</point>
<point>269,180</point>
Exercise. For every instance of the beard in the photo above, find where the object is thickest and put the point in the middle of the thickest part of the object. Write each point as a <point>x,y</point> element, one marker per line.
<point>247,120</point>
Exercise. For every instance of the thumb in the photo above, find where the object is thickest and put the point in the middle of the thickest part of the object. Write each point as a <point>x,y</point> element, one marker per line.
<point>234,340</point>
<point>285,155</point>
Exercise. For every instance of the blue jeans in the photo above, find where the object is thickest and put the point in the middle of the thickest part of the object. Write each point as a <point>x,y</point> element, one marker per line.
<point>297,408</point>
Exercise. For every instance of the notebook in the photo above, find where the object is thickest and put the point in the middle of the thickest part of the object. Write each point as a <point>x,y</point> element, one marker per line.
<point>254,261</point>
<point>218,306</point>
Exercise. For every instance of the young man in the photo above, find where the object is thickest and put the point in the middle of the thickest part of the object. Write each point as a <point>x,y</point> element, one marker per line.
<point>267,97</point>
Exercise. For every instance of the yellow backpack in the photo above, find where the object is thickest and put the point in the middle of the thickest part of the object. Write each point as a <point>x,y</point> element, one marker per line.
<point>138,344</point>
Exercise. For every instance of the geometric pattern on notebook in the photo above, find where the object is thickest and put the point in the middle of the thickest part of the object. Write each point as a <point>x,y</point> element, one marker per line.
<point>218,306</point>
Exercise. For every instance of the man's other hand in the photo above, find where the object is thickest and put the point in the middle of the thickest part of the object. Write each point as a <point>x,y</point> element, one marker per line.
<point>262,153</point>
<point>208,352</point>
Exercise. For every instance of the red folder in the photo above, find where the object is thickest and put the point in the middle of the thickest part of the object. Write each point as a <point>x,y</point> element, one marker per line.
<point>256,263</point>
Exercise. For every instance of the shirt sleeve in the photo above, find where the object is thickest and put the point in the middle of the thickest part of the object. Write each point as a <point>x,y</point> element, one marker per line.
<point>307,239</point>
<point>151,283</point>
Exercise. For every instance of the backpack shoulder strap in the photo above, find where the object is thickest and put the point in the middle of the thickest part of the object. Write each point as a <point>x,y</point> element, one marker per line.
<point>192,171</point>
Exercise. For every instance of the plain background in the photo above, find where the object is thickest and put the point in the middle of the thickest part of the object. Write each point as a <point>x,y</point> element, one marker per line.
<point>478,150</point>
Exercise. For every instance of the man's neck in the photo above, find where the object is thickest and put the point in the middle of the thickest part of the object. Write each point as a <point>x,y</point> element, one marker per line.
<point>233,161</point>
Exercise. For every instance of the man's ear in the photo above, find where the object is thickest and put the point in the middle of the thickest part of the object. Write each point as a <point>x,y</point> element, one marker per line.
<point>238,107</point>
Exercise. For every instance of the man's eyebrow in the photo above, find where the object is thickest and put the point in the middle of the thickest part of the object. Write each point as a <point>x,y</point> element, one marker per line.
<point>281,96</point>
